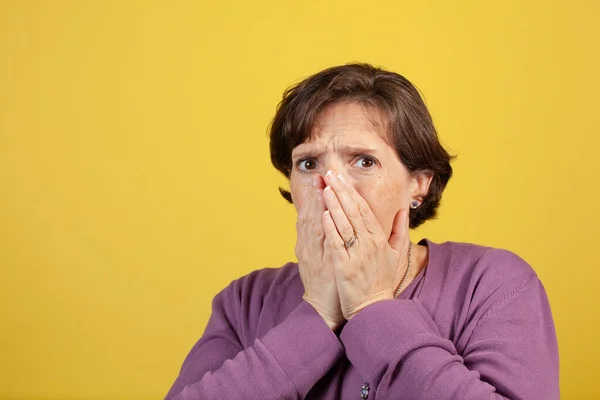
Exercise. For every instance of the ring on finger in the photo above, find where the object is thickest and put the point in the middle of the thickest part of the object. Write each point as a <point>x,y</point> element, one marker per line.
<point>350,241</point>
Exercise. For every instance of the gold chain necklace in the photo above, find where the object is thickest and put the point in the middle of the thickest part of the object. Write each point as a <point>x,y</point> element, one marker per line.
<point>399,288</point>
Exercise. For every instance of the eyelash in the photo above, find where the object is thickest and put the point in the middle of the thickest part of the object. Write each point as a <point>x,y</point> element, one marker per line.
<point>298,163</point>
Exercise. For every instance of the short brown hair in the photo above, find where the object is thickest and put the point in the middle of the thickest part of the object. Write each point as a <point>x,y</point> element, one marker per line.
<point>408,124</point>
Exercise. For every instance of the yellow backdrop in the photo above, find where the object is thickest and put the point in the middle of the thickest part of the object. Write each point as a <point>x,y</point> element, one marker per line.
<point>135,181</point>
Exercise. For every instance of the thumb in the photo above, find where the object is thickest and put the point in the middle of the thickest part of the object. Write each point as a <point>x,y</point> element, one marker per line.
<point>399,236</point>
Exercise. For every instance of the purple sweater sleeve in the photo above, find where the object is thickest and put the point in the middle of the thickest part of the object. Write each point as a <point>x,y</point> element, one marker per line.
<point>511,352</point>
<point>284,364</point>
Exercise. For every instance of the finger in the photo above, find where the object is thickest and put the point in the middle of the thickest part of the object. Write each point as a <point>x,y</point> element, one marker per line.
<point>315,226</point>
<point>337,214</point>
<point>318,206</point>
<point>306,219</point>
<point>368,219</point>
<point>333,242</point>
<point>368,216</point>
<point>345,194</point>
<point>399,238</point>
<point>313,206</point>
<point>306,192</point>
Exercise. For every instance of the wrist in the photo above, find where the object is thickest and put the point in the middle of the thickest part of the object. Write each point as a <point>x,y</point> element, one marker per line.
<point>333,322</point>
<point>335,326</point>
<point>349,315</point>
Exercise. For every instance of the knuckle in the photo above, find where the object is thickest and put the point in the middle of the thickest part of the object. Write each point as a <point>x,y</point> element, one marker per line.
<point>347,231</point>
<point>304,221</point>
<point>318,234</point>
<point>353,214</point>
<point>364,208</point>
<point>333,244</point>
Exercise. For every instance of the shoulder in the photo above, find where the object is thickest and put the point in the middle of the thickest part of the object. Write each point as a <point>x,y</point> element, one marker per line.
<point>474,275</point>
<point>253,303</point>
<point>466,282</point>
<point>474,261</point>
<point>255,286</point>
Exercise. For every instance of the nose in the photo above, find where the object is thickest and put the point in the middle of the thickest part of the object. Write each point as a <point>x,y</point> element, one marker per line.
<point>332,163</point>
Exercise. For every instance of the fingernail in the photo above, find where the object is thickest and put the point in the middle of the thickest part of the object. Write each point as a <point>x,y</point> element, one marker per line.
<point>342,179</point>
<point>328,192</point>
<point>329,175</point>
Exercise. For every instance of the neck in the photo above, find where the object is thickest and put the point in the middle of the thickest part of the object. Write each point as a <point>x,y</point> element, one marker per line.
<point>420,259</point>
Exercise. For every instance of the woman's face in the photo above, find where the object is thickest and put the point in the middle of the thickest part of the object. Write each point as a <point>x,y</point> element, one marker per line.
<point>345,141</point>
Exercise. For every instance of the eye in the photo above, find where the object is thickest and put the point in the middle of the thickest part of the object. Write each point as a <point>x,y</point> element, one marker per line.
<point>366,162</point>
<point>306,164</point>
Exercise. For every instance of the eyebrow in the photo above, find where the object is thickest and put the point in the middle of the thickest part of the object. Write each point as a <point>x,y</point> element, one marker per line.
<point>343,149</point>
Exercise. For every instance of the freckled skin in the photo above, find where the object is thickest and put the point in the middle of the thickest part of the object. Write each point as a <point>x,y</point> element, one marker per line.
<point>387,187</point>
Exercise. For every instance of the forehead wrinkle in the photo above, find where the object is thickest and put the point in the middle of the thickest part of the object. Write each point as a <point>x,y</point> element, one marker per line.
<point>338,129</point>
<point>336,143</point>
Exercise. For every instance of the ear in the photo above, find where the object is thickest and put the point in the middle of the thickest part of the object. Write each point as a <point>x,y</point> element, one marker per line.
<point>419,184</point>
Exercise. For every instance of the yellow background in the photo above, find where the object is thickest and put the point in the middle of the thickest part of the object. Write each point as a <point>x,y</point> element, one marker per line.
<point>135,180</point>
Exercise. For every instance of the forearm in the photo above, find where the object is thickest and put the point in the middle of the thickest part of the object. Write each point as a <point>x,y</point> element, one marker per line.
<point>252,373</point>
<point>284,364</point>
<point>396,346</point>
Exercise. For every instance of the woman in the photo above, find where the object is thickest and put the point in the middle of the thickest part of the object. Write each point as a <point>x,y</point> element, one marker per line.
<point>365,313</point>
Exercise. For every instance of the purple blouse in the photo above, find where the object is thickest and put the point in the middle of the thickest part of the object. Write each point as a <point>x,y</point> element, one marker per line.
<point>474,324</point>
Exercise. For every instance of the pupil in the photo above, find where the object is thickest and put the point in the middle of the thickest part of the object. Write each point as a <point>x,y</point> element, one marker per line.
<point>367,163</point>
<point>309,164</point>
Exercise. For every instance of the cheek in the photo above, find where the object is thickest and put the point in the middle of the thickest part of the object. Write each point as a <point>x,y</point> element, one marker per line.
<point>385,197</point>
<point>298,187</point>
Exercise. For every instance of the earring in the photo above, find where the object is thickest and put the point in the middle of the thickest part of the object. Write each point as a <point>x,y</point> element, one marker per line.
<point>414,204</point>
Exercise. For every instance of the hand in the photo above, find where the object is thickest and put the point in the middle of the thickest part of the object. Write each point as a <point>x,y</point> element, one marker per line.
<point>368,271</point>
<point>317,276</point>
